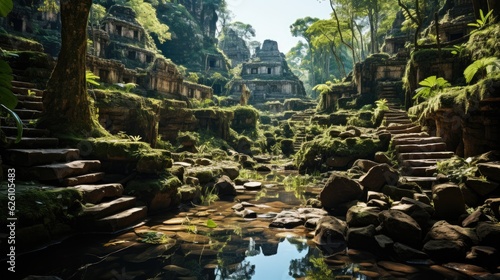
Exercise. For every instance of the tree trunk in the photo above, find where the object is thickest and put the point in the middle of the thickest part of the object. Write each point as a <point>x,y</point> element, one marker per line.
<point>66,102</point>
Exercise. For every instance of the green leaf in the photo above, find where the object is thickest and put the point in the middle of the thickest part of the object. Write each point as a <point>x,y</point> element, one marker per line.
<point>211,223</point>
<point>19,122</point>
<point>5,7</point>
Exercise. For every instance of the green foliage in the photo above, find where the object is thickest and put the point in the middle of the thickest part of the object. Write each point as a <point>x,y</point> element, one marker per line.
<point>193,77</point>
<point>5,7</point>
<point>49,6</point>
<point>147,17</point>
<point>8,101</point>
<point>430,86</point>
<point>154,237</point>
<point>211,223</point>
<point>484,66</point>
<point>91,78</point>
<point>457,169</point>
<point>482,21</point>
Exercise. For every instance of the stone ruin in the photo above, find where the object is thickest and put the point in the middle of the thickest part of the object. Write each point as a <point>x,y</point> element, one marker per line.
<point>234,48</point>
<point>267,76</point>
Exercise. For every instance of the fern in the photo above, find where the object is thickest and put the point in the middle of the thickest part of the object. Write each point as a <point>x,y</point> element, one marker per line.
<point>430,87</point>
<point>481,22</point>
<point>91,78</point>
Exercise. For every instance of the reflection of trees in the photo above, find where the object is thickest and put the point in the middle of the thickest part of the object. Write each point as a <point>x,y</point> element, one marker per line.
<point>243,271</point>
<point>298,243</point>
<point>301,267</point>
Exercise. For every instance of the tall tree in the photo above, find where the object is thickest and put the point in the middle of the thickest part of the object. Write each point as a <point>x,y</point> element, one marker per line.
<point>298,29</point>
<point>67,104</point>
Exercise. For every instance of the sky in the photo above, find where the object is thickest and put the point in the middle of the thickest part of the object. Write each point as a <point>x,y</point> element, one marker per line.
<point>271,19</point>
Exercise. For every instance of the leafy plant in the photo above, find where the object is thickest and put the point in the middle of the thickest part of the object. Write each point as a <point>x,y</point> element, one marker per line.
<point>482,21</point>
<point>153,237</point>
<point>457,169</point>
<point>485,66</point>
<point>5,7</point>
<point>211,223</point>
<point>458,49</point>
<point>8,101</point>
<point>91,78</point>
<point>209,197</point>
<point>430,87</point>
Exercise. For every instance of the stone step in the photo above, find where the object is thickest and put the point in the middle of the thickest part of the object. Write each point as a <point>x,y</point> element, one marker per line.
<point>59,171</point>
<point>30,105</point>
<point>413,148</point>
<point>23,84</point>
<point>413,129</point>
<point>27,132</point>
<point>423,182</point>
<point>28,114</point>
<point>398,121</point>
<point>33,143</point>
<point>83,179</point>
<point>96,193</point>
<point>30,157</point>
<point>122,220</point>
<point>32,98</point>
<point>106,209</point>
<point>421,162</point>
<point>417,140</point>
<point>428,155</point>
<point>26,91</point>
<point>491,170</point>
<point>420,171</point>
<point>410,135</point>
<point>399,126</point>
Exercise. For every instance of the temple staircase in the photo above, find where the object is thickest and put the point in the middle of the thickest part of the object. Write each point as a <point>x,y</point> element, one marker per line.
<point>39,158</point>
<point>300,121</point>
<point>417,152</point>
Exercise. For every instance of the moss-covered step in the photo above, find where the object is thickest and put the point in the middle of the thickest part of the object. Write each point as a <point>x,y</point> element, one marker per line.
<point>105,209</point>
<point>30,157</point>
<point>34,142</point>
<point>96,193</point>
<point>410,135</point>
<point>59,171</point>
<point>413,148</point>
<point>413,129</point>
<point>122,220</point>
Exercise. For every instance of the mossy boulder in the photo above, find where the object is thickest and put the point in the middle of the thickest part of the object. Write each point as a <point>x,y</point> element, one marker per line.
<point>245,118</point>
<point>154,162</point>
<point>115,149</point>
<point>158,193</point>
<point>287,147</point>
<point>205,174</point>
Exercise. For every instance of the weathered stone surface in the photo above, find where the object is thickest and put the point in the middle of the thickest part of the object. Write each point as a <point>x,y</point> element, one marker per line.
<point>364,164</point>
<point>380,204</point>
<point>480,186</point>
<point>95,193</point>
<point>361,216</point>
<point>397,193</point>
<point>488,233</point>
<point>252,185</point>
<point>287,219</point>
<point>379,176</point>
<point>491,170</point>
<point>247,214</point>
<point>400,227</point>
<point>30,157</point>
<point>384,241</point>
<point>339,189</point>
<point>58,171</point>
<point>225,186</point>
<point>442,230</point>
<point>231,170</point>
<point>381,157</point>
<point>421,216</point>
<point>448,201</point>
<point>445,250</point>
<point>399,267</point>
<point>330,230</point>
<point>406,253</point>
<point>361,237</point>
<point>376,195</point>
<point>468,269</point>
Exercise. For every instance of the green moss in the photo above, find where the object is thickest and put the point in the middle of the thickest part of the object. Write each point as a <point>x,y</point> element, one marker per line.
<point>47,206</point>
<point>106,149</point>
<point>145,186</point>
<point>485,43</point>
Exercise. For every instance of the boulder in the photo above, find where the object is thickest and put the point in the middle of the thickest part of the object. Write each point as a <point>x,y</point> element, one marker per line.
<point>361,237</point>
<point>442,230</point>
<point>491,170</point>
<point>362,215</point>
<point>445,250</point>
<point>379,204</point>
<point>406,253</point>
<point>488,233</point>
<point>364,164</point>
<point>448,201</point>
<point>420,215</point>
<point>481,187</point>
<point>379,176</point>
<point>397,193</point>
<point>287,219</point>
<point>330,230</point>
<point>225,186</point>
<point>247,214</point>
<point>189,193</point>
<point>381,157</point>
<point>400,227</point>
<point>339,189</point>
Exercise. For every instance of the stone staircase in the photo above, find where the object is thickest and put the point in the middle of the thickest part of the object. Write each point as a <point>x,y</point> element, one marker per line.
<point>38,157</point>
<point>417,152</point>
<point>389,91</point>
<point>300,121</point>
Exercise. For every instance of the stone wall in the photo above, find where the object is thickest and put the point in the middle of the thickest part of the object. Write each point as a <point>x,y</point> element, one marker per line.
<point>175,117</point>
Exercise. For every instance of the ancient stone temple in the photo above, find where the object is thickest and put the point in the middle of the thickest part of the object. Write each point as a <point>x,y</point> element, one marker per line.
<point>234,48</point>
<point>267,76</point>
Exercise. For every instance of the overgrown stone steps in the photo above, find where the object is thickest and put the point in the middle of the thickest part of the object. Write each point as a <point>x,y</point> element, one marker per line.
<point>413,129</point>
<point>410,135</point>
<point>28,98</point>
<point>27,91</point>
<point>421,162</point>
<point>30,105</point>
<point>412,148</point>
<point>82,179</point>
<point>122,220</point>
<point>22,84</point>
<point>30,157</point>
<point>424,182</point>
<point>399,126</point>
<point>60,171</point>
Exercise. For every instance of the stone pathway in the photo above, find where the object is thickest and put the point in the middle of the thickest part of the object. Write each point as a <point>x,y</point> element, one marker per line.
<point>300,121</point>
<point>39,157</point>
